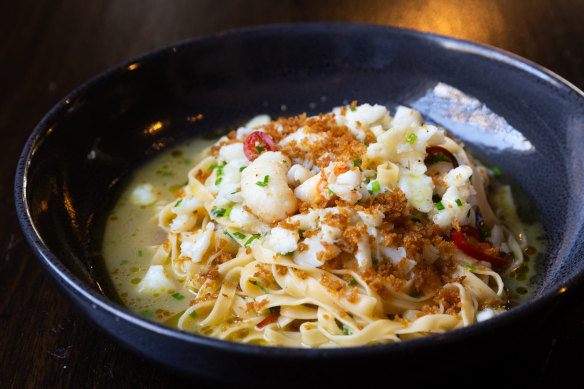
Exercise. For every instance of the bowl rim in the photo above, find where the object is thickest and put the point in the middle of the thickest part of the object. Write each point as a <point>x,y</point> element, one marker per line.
<point>96,300</point>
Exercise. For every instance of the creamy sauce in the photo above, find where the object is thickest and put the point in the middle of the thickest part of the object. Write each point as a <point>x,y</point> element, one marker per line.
<point>132,233</point>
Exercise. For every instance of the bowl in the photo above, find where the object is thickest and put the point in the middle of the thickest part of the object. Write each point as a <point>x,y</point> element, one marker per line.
<point>513,113</point>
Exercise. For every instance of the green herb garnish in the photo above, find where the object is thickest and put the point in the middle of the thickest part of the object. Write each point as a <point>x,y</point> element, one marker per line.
<point>259,149</point>
<point>147,313</point>
<point>347,331</point>
<point>218,181</point>
<point>437,157</point>
<point>167,174</point>
<point>265,182</point>
<point>471,268</point>
<point>439,206</point>
<point>353,282</point>
<point>357,162</point>
<point>218,212</point>
<point>228,210</point>
<point>139,253</point>
<point>259,285</point>
<point>411,138</point>
<point>178,203</point>
<point>289,254</point>
<point>211,167</point>
<point>178,296</point>
<point>375,187</point>
<point>251,239</point>
<point>241,168</point>
<point>193,314</point>
<point>239,235</point>
<point>330,192</point>
<point>496,171</point>
<point>458,202</point>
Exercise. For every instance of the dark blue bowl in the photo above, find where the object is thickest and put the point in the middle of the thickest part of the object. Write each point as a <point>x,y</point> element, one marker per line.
<point>521,117</point>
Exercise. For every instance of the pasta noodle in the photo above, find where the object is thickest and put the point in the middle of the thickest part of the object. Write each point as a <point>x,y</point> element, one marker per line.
<point>343,229</point>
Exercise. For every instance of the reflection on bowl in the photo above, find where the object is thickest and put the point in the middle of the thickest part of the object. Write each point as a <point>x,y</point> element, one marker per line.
<point>73,163</point>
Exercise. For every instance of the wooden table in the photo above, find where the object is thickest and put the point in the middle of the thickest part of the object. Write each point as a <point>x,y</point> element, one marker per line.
<point>50,47</point>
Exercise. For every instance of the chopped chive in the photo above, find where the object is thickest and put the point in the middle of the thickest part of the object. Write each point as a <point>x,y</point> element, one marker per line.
<point>218,181</point>
<point>437,157</point>
<point>178,296</point>
<point>147,313</point>
<point>259,149</point>
<point>347,331</point>
<point>288,254</point>
<point>167,174</point>
<point>193,314</point>
<point>259,285</point>
<point>241,168</point>
<point>237,191</point>
<point>139,253</point>
<point>239,235</point>
<point>357,162</point>
<point>471,268</point>
<point>439,206</point>
<point>265,183</point>
<point>251,239</point>
<point>228,234</point>
<point>187,161</point>
<point>411,138</point>
<point>374,260</point>
<point>211,167</point>
<point>218,212</point>
<point>228,210</point>
<point>124,262</point>
<point>367,180</point>
<point>186,183</point>
<point>353,109</point>
<point>375,187</point>
<point>353,282</point>
<point>458,202</point>
<point>178,203</point>
<point>496,171</point>
<point>330,192</point>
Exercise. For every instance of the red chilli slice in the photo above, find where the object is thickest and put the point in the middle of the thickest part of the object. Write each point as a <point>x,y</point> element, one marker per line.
<point>256,142</point>
<point>430,151</point>
<point>272,317</point>
<point>464,245</point>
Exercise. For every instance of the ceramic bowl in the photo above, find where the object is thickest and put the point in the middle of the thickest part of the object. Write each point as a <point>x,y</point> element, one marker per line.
<point>515,114</point>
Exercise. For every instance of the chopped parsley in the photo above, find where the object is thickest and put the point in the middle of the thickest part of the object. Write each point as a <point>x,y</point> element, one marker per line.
<point>411,138</point>
<point>439,206</point>
<point>239,235</point>
<point>178,296</point>
<point>458,202</point>
<point>265,182</point>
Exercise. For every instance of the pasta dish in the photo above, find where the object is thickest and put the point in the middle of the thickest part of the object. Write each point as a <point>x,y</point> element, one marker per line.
<point>348,228</point>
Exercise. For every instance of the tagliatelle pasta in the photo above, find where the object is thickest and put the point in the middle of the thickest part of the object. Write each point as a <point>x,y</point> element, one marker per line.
<point>343,229</point>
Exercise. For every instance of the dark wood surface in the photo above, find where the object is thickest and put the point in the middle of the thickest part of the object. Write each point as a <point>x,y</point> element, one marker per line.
<point>48,48</point>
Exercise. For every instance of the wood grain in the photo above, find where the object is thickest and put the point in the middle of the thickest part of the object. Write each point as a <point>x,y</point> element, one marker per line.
<point>50,47</point>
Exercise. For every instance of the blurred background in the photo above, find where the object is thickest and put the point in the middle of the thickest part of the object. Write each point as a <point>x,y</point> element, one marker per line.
<point>50,47</point>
